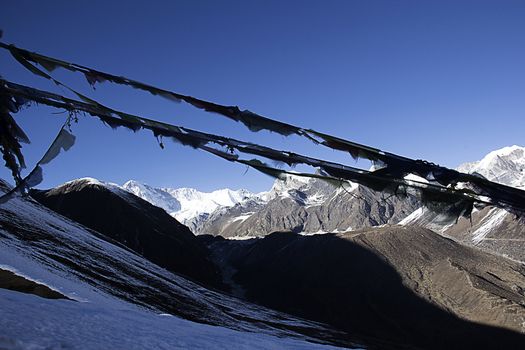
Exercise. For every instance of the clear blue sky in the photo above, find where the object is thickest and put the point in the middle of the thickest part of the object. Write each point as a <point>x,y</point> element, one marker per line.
<point>438,80</point>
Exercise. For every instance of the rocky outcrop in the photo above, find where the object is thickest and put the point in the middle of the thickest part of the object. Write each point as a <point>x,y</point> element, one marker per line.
<point>12,281</point>
<point>309,206</point>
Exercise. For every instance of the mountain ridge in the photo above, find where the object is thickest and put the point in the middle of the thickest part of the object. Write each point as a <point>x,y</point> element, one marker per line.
<point>302,199</point>
<point>309,205</point>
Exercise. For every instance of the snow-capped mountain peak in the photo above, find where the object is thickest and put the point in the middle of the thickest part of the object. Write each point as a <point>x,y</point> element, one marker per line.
<point>188,204</point>
<point>155,196</point>
<point>506,166</point>
<point>77,184</point>
<point>84,181</point>
<point>195,203</point>
<point>303,189</point>
<point>192,207</point>
<point>222,197</point>
<point>296,203</point>
<point>282,187</point>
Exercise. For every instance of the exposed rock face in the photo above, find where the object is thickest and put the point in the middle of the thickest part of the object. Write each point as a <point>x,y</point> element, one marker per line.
<point>407,287</point>
<point>10,280</point>
<point>135,223</point>
<point>315,206</point>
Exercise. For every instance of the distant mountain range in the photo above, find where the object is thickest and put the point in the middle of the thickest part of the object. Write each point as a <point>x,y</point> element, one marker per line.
<point>190,206</point>
<point>314,206</point>
<point>295,204</point>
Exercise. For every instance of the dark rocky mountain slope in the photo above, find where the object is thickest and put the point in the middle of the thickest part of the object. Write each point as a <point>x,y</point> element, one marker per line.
<point>408,287</point>
<point>135,223</point>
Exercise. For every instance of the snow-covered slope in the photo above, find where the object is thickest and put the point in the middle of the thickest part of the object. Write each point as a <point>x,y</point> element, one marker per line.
<point>119,296</point>
<point>60,324</point>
